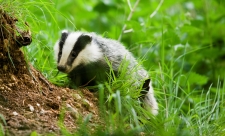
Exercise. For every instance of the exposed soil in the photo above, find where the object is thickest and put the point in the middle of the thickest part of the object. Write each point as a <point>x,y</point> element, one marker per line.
<point>28,101</point>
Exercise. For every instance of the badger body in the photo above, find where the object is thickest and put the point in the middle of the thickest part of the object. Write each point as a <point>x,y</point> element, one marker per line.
<point>85,57</point>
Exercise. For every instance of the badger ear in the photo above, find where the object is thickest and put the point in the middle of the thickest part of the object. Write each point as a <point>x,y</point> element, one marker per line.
<point>146,86</point>
<point>85,39</point>
<point>64,31</point>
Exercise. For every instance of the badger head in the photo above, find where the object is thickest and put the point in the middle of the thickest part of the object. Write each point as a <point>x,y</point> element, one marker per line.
<point>74,49</point>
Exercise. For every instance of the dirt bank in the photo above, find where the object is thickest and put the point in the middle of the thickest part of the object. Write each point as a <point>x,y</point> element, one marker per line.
<point>28,101</point>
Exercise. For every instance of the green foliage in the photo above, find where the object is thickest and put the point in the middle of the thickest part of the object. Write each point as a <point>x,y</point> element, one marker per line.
<point>2,122</point>
<point>34,133</point>
<point>2,131</point>
<point>182,43</point>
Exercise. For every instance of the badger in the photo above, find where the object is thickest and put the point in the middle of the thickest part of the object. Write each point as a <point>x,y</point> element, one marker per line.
<point>85,57</point>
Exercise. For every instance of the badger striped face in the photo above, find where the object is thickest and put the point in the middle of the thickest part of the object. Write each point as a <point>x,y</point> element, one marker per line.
<point>74,49</point>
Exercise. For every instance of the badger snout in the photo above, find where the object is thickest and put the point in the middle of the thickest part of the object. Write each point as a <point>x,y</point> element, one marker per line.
<point>61,68</point>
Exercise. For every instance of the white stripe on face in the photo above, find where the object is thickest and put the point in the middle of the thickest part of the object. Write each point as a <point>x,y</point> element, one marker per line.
<point>91,53</point>
<point>68,46</point>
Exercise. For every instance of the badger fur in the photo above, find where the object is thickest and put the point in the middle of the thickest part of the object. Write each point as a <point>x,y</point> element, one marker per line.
<point>84,56</point>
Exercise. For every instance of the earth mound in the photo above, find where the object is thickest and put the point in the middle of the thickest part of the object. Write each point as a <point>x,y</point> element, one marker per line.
<point>28,101</point>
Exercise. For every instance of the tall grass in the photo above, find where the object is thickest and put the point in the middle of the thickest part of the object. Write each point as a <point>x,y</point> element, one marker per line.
<point>2,122</point>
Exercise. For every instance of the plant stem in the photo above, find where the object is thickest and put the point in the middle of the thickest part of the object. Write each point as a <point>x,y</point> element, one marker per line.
<point>129,17</point>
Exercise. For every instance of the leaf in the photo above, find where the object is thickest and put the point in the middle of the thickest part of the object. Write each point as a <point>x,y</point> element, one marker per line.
<point>3,119</point>
<point>2,132</point>
<point>191,29</point>
<point>34,133</point>
<point>103,7</point>
<point>198,79</point>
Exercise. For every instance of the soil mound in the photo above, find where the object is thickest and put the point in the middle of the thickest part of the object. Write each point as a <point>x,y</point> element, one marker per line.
<point>28,101</point>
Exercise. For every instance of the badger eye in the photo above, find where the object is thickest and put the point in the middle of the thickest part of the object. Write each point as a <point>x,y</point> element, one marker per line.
<point>60,54</point>
<point>73,54</point>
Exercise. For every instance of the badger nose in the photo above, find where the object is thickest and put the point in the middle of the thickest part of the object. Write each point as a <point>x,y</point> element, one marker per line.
<point>61,68</point>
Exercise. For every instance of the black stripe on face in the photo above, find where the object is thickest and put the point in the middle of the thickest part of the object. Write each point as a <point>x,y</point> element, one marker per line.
<point>64,35</point>
<point>80,44</point>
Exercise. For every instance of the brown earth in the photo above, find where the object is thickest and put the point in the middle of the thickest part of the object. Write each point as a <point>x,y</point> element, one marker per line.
<point>28,102</point>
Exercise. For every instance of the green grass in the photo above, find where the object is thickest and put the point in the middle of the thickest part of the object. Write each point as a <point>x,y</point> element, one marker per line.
<point>183,49</point>
<point>2,122</point>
